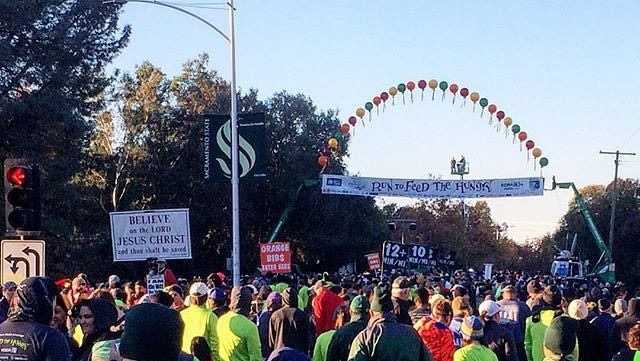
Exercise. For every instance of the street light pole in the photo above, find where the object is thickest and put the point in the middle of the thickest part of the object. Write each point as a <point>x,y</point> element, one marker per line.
<point>235,178</point>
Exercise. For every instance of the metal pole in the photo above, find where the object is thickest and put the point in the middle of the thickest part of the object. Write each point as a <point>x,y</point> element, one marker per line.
<point>235,176</point>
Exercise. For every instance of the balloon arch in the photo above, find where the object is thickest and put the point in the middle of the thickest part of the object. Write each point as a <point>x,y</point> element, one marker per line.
<point>497,118</point>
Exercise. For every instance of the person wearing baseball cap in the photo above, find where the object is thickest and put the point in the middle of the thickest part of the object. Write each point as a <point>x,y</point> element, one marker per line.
<point>473,334</point>
<point>498,337</point>
<point>198,320</point>
<point>218,301</point>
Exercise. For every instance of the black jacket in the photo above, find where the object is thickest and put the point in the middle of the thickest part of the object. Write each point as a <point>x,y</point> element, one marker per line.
<point>341,341</point>
<point>592,347</point>
<point>499,338</point>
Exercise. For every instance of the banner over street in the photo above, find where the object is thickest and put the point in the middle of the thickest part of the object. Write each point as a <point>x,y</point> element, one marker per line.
<point>430,188</point>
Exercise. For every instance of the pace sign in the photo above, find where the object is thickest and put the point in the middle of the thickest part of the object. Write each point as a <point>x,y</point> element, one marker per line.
<point>407,256</point>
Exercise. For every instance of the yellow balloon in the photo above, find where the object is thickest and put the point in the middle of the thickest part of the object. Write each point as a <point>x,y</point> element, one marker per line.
<point>360,112</point>
<point>474,97</point>
<point>537,152</point>
<point>508,121</point>
<point>393,91</point>
<point>333,143</point>
<point>433,84</point>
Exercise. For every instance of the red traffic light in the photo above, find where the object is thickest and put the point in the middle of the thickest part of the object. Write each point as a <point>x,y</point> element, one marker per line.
<point>17,176</point>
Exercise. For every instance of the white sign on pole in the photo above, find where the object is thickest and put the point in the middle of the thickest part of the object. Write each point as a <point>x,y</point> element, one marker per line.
<point>488,268</point>
<point>155,283</point>
<point>22,259</point>
<point>139,235</point>
<point>430,188</point>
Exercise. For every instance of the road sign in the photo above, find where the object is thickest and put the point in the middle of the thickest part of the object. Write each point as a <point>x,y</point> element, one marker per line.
<point>21,259</point>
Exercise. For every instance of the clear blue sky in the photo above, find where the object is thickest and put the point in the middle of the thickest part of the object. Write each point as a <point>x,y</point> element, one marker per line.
<point>566,71</point>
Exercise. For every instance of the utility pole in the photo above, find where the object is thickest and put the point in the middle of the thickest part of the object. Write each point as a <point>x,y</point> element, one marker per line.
<point>614,197</point>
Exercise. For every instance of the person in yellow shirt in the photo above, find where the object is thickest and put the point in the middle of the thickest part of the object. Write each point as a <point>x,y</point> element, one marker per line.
<point>239,339</point>
<point>198,320</point>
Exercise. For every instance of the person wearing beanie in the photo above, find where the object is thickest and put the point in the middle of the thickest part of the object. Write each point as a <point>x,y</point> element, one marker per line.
<point>338,349</point>
<point>498,337</point>
<point>152,332</point>
<point>238,336</point>
<point>560,340</point>
<point>198,320</point>
<point>541,318</point>
<point>272,304</point>
<point>435,332</point>
<point>96,317</point>
<point>385,339</point>
<point>473,349</point>
<point>461,309</point>
<point>620,308</point>
<point>28,324</point>
<point>289,326</point>
<point>514,313</point>
<point>592,347</point>
<point>604,324</point>
<point>534,291</point>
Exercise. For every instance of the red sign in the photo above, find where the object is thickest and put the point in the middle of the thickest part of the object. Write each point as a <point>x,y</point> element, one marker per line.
<point>374,261</point>
<point>275,257</point>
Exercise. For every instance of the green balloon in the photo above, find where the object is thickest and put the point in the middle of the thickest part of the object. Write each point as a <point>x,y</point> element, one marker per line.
<point>515,129</point>
<point>544,162</point>
<point>443,85</point>
<point>484,102</point>
<point>369,106</point>
<point>402,87</point>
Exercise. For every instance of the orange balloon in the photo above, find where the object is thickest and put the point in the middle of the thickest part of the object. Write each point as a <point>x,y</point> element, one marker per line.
<point>433,84</point>
<point>475,96</point>
<point>333,143</point>
<point>508,121</point>
<point>393,91</point>
<point>360,112</point>
<point>537,152</point>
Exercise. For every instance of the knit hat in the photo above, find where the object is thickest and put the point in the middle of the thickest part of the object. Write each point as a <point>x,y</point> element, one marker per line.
<point>274,300</point>
<point>290,297</point>
<point>460,306</point>
<point>152,332</point>
<point>105,314</point>
<point>560,336</point>
<point>472,328</point>
<point>400,288</point>
<point>489,308</point>
<point>552,296</point>
<point>620,306</point>
<point>578,310</point>
<point>199,289</point>
<point>359,304</point>
<point>240,300</point>
<point>380,301</point>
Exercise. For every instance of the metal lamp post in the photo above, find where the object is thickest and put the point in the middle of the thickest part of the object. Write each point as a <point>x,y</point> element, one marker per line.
<point>235,179</point>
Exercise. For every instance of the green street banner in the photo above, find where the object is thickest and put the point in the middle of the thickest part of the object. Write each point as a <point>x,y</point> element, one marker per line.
<point>251,147</point>
<point>430,188</point>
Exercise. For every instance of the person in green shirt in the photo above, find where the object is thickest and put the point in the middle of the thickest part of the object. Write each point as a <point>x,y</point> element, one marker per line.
<point>238,336</point>
<point>198,320</point>
<point>473,350</point>
<point>320,350</point>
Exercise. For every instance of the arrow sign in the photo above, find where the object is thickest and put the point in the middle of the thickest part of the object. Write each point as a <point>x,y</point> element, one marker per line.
<point>35,254</point>
<point>14,267</point>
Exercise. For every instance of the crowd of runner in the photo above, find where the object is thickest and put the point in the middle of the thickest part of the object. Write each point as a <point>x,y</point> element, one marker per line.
<point>433,316</point>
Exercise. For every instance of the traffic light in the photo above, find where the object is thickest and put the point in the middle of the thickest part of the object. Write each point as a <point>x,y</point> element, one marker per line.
<point>22,196</point>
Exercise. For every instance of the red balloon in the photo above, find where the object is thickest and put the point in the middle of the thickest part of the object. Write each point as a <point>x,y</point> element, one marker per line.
<point>453,88</point>
<point>377,100</point>
<point>522,136</point>
<point>464,92</point>
<point>323,160</point>
<point>492,108</point>
<point>344,129</point>
<point>411,85</point>
<point>422,84</point>
<point>353,120</point>
<point>530,144</point>
<point>500,115</point>
<point>384,96</point>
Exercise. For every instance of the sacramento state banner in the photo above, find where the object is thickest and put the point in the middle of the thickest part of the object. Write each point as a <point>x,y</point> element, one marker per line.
<point>430,188</point>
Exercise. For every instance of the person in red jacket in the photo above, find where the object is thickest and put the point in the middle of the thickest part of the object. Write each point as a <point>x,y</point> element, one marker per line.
<point>324,306</point>
<point>435,333</point>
